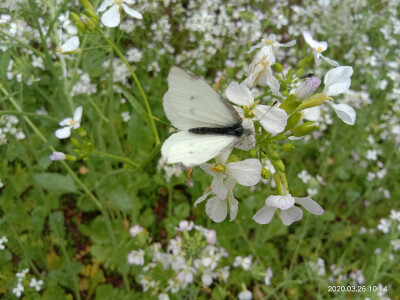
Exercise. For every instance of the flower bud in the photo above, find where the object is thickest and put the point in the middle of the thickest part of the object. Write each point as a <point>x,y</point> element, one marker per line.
<point>278,163</point>
<point>265,173</point>
<point>287,147</point>
<point>304,129</point>
<point>308,87</point>
<point>274,154</point>
<point>280,137</point>
<point>87,5</point>
<point>292,121</point>
<point>82,132</point>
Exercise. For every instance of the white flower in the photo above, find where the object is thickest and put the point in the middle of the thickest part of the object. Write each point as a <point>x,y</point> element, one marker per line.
<point>245,295</point>
<point>268,276</point>
<point>384,225</point>
<point>216,208</point>
<point>112,17</point>
<point>57,156</point>
<point>396,244</point>
<point>69,124</point>
<point>244,262</point>
<point>163,296</point>
<point>185,226</point>
<point>71,45</point>
<point>318,47</point>
<point>125,116</point>
<point>136,257</point>
<point>1,184</point>
<point>21,275</point>
<point>289,212</point>
<point>186,274</point>
<point>18,290</point>
<point>36,284</point>
<point>207,277</point>
<point>338,81</point>
<point>270,41</point>
<point>273,119</point>
<point>175,245</point>
<point>246,172</point>
<point>260,71</point>
<point>135,230</point>
<point>395,215</point>
<point>3,240</point>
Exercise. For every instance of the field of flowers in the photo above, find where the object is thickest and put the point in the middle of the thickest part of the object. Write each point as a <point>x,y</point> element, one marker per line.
<point>298,199</point>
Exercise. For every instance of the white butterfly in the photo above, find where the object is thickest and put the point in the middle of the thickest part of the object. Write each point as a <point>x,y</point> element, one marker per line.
<point>209,124</point>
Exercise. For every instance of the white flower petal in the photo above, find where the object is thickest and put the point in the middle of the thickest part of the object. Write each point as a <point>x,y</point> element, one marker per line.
<point>133,13</point>
<point>310,205</point>
<point>337,80</point>
<point>216,209</point>
<point>239,94</point>
<point>291,215</point>
<point>264,215</point>
<point>316,57</point>
<point>233,206</point>
<point>345,112</point>
<point>312,113</point>
<point>221,159</point>
<point>206,167</point>
<point>273,119</point>
<point>217,185</point>
<point>308,38</point>
<point>63,133</point>
<point>288,44</point>
<point>104,5</point>
<point>66,122</point>
<point>280,201</point>
<point>330,61</point>
<point>70,45</point>
<point>111,18</point>
<point>246,172</point>
<point>78,114</point>
<point>201,199</point>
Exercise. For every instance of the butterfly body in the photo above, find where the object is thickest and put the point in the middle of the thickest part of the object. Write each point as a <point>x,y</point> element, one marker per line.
<point>209,125</point>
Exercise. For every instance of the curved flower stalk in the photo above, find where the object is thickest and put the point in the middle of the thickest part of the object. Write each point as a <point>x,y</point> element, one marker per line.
<point>273,119</point>
<point>289,212</point>
<point>112,17</point>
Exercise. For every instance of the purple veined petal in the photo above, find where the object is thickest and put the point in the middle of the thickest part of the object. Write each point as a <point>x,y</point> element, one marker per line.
<point>330,61</point>
<point>66,122</point>
<point>217,209</point>
<point>63,133</point>
<point>78,114</point>
<point>310,205</point>
<point>273,119</point>
<point>223,157</point>
<point>239,94</point>
<point>264,215</point>
<point>55,156</point>
<point>130,11</point>
<point>280,201</point>
<point>201,199</point>
<point>111,18</point>
<point>246,172</point>
<point>104,5</point>
<point>291,215</point>
<point>344,112</point>
<point>252,48</point>
<point>218,187</point>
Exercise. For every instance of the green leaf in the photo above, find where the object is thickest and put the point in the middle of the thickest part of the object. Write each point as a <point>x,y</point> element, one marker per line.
<point>120,198</point>
<point>4,61</point>
<point>56,223</point>
<point>54,182</point>
<point>133,101</point>
<point>7,97</point>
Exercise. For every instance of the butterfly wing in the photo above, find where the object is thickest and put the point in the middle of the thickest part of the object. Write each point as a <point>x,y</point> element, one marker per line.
<point>190,102</point>
<point>194,149</point>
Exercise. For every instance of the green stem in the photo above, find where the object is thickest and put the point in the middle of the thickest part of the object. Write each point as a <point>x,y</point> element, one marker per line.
<point>116,157</point>
<point>251,247</point>
<point>141,91</point>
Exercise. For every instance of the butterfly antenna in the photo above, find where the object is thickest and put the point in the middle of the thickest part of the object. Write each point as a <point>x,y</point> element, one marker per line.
<point>268,110</point>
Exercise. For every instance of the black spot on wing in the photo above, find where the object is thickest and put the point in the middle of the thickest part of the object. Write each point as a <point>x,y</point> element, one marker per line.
<point>192,97</point>
<point>192,111</point>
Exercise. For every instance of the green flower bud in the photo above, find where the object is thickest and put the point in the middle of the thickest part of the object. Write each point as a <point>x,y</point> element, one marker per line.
<point>292,121</point>
<point>253,153</point>
<point>304,129</point>
<point>280,137</point>
<point>287,147</point>
<point>274,155</point>
<point>279,165</point>
<point>82,132</point>
<point>278,67</point>
<point>75,143</point>
<point>70,157</point>
<point>78,22</point>
<point>86,4</point>
<point>265,173</point>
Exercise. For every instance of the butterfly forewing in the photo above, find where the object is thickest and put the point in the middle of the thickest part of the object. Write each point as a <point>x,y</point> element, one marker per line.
<point>190,102</point>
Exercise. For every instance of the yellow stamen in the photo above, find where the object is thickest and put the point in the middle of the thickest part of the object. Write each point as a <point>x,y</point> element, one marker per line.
<point>269,42</point>
<point>319,49</point>
<point>218,168</point>
<point>118,2</point>
<point>72,122</point>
